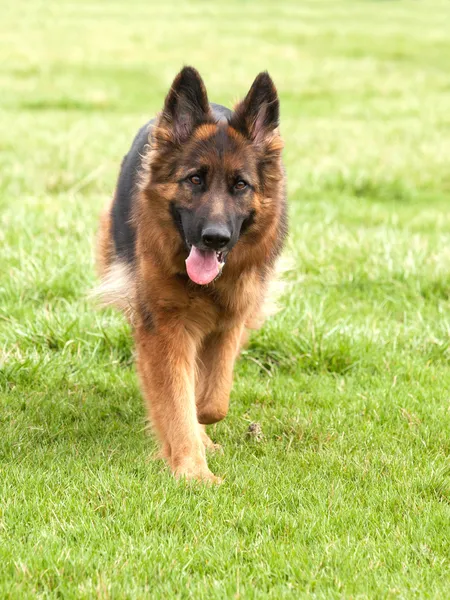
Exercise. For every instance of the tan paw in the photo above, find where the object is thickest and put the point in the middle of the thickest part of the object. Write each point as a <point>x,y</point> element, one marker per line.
<point>209,444</point>
<point>197,471</point>
<point>203,477</point>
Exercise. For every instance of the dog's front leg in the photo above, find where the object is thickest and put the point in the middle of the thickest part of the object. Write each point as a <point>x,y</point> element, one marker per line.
<point>166,365</point>
<point>215,373</point>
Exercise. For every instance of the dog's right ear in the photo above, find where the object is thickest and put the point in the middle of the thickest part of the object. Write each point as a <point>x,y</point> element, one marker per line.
<point>186,105</point>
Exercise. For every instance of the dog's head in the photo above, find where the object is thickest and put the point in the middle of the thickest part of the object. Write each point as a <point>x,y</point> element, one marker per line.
<point>215,169</point>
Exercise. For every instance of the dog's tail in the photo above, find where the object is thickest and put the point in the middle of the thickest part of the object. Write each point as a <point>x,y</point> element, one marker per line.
<point>116,289</point>
<point>275,290</point>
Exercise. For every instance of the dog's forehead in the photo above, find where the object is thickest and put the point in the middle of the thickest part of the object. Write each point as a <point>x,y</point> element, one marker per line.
<point>219,145</point>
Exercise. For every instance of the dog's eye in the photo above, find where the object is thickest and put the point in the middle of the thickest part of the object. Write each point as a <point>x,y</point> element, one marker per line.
<point>240,185</point>
<point>195,179</point>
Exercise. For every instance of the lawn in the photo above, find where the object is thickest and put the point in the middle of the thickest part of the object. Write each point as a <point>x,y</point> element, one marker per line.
<point>347,495</point>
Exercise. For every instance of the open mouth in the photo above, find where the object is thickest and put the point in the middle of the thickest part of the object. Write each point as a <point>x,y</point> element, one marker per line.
<point>203,266</point>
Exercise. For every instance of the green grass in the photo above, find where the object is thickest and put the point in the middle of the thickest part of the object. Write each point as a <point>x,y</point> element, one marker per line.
<point>348,493</point>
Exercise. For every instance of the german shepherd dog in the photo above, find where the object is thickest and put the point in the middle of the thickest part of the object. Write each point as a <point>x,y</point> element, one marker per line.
<point>187,248</point>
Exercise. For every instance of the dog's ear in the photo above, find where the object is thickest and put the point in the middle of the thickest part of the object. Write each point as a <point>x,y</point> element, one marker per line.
<point>257,116</point>
<point>186,105</point>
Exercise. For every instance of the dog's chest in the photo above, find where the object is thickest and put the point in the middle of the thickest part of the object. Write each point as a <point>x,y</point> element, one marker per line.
<point>221,309</point>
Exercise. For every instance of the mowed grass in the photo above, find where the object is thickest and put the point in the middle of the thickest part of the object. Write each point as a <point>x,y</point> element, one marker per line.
<point>348,492</point>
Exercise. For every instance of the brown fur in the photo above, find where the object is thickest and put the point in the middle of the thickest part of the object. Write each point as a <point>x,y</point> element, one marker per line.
<point>188,336</point>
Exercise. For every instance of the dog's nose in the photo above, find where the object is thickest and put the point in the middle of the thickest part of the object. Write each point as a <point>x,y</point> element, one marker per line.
<point>216,237</point>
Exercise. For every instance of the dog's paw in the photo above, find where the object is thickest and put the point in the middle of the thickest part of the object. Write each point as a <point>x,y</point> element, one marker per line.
<point>211,446</point>
<point>202,476</point>
<point>194,471</point>
<point>214,447</point>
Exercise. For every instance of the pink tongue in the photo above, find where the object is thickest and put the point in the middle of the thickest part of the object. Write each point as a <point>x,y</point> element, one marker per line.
<point>202,265</point>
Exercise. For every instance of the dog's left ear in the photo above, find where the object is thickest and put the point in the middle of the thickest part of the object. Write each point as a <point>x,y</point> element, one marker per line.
<point>257,116</point>
<point>186,105</point>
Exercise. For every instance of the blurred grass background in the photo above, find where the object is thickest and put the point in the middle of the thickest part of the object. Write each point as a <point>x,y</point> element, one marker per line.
<point>348,494</point>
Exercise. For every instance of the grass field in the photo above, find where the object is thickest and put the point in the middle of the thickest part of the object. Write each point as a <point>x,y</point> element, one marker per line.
<point>348,493</point>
